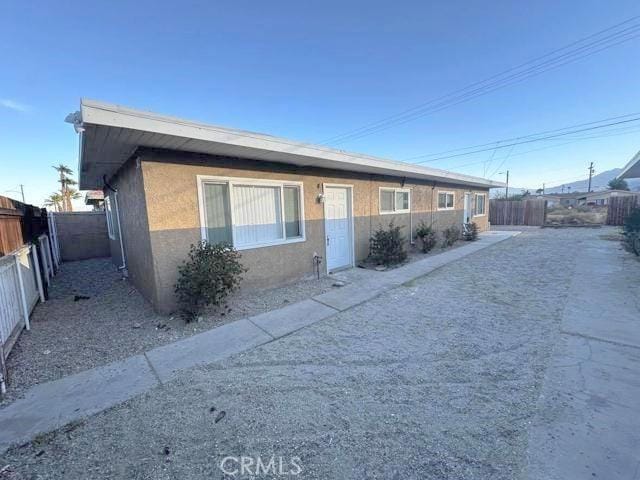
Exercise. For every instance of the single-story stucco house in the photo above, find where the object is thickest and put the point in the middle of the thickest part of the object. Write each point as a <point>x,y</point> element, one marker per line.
<point>169,183</point>
<point>602,197</point>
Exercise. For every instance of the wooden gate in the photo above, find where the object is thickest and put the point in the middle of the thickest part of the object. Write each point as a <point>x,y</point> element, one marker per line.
<point>620,207</point>
<point>517,212</point>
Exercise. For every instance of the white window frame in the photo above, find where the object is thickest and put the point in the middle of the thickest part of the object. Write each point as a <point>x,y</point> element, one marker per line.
<point>394,190</point>
<point>230,182</point>
<point>475,206</point>
<point>453,203</point>
<point>108,211</point>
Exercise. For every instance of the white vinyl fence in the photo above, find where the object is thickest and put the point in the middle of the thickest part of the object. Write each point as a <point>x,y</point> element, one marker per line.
<point>20,289</point>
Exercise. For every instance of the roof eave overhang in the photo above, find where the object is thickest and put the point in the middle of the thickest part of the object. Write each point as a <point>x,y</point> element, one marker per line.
<point>200,138</point>
<point>631,169</point>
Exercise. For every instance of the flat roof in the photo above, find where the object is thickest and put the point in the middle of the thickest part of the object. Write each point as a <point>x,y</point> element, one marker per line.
<point>110,134</point>
<point>631,169</point>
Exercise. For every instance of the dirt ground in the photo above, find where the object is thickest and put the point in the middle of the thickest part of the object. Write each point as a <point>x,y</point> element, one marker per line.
<point>438,379</point>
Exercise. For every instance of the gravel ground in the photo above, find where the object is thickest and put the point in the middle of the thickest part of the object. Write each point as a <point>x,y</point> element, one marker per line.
<point>69,336</point>
<point>437,379</point>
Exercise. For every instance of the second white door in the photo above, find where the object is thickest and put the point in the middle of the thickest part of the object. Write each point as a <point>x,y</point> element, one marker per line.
<point>338,227</point>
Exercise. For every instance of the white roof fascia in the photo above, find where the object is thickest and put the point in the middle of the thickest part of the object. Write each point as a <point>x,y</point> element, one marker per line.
<point>99,113</point>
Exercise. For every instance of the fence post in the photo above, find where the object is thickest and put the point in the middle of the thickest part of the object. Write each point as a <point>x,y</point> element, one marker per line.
<point>23,295</point>
<point>53,231</point>
<point>54,263</point>
<point>45,264</point>
<point>3,370</point>
<point>36,267</point>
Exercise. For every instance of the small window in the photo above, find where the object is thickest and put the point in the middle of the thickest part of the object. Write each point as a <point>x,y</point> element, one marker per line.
<point>292,225</point>
<point>250,213</point>
<point>386,201</point>
<point>108,213</point>
<point>445,200</point>
<point>480,204</point>
<point>394,200</point>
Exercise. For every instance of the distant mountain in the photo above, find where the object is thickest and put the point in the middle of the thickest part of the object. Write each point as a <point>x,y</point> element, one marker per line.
<point>598,182</point>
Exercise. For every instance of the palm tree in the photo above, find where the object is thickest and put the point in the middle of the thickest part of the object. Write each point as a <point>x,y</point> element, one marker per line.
<point>72,193</point>
<point>66,181</point>
<point>54,200</point>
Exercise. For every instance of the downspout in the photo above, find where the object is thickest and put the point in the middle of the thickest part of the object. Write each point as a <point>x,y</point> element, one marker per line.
<point>412,240</point>
<point>122,267</point>
<point>433,187</point>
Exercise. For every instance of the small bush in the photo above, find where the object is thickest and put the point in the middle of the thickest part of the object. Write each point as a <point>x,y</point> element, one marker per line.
<point>427,236</point>
<point>632,222</point>
<point>211,273</point>
<point>631,230</point>
<point>388,246</point>
<point>471,233</point>
<point>450,236</point>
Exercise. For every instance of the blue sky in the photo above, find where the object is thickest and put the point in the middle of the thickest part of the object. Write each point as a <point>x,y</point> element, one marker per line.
<point>313,70</point>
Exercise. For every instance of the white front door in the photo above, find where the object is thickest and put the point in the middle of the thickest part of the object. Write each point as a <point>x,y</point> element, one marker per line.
<point>337,227</point>
<point>467,208</point>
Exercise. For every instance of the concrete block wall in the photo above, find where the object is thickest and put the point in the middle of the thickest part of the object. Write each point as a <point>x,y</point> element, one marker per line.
<point>82,235</point>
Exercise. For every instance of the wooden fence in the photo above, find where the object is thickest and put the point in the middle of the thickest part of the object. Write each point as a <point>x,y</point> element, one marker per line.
<point>620,207</point>
<point>20,224</point>
<point>517,212</point>
<point>28,259</point>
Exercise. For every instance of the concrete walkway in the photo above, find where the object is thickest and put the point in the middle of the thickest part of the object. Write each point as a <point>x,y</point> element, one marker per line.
<point>51,405</point>
<point>588,420</point>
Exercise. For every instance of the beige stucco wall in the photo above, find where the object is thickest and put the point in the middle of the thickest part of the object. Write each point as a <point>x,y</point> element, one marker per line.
<point>171,206</point>
<point>135,228</point>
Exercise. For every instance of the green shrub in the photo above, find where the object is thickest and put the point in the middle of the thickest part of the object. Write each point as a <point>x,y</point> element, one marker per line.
<point>427,236</point>
<point>388,246</point>
<point>631,230</point>
<point>471,233</point>
<point>450,236</point>
<point>211,273</point>
<point>632,222</point>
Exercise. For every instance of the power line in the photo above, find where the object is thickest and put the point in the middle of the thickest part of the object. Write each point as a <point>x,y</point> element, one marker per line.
<point>483,90</point>
<point>634,129</point>
<point>616,133</point>
<point>531,140</point>
<point>608,41</point>
<point>520,137</point>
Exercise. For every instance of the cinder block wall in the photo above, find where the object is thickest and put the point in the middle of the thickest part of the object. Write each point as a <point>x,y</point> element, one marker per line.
<point>82,235</point>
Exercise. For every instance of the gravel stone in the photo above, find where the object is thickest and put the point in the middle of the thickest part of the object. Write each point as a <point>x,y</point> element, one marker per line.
<point>437,379</point>
<point>115,322</point>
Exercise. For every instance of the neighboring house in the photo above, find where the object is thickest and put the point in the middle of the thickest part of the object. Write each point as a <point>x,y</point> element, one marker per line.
<point>558,199</point>
<point>95,198</point>
<point>631,169</point>
<point>170,183</point>
<point>602,198</point>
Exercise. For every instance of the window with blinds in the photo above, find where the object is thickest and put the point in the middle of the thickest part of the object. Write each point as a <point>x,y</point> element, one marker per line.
<point>251,214</point>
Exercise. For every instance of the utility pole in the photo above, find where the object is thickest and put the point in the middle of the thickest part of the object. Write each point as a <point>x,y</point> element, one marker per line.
<point>22,192</point>
<point>543,189</point>
<point>506,192</point>
<point>590,175</point>
<point>562,188</point>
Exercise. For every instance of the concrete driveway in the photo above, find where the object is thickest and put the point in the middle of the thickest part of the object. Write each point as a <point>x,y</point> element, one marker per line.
<point>477,370</point>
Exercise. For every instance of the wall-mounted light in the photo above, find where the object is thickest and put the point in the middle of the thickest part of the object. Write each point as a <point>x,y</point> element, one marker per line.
<point>320,198</point>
